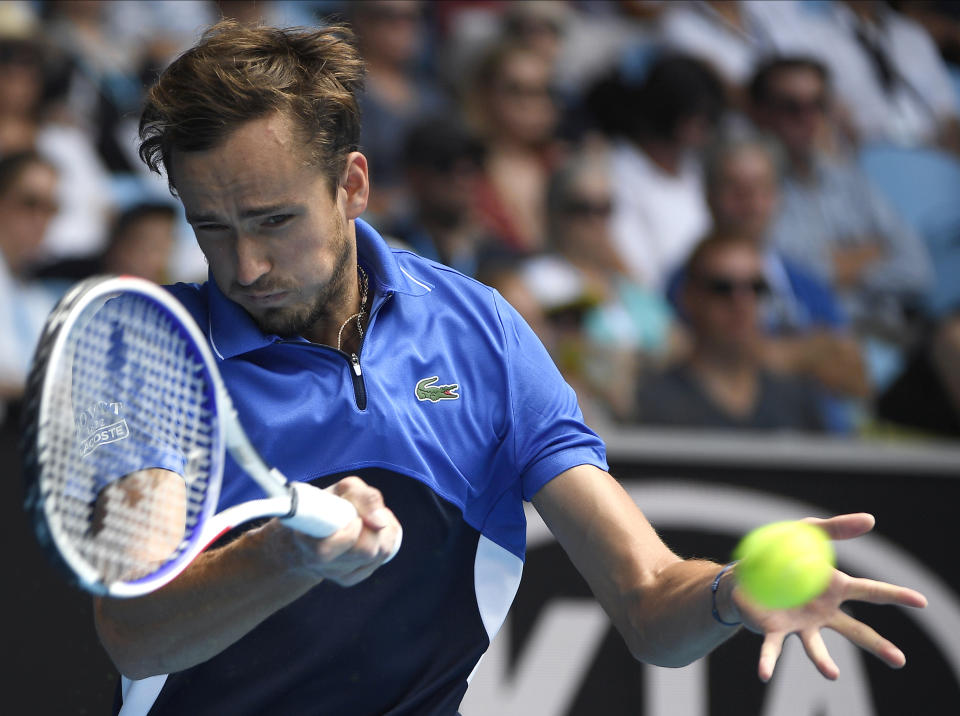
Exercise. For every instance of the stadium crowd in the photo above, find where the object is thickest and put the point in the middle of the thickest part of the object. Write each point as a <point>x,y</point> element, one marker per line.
<point>714,214</point>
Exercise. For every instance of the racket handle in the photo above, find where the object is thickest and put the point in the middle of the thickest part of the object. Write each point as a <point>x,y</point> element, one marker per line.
<point>320,513</point>
<point>317,512</point>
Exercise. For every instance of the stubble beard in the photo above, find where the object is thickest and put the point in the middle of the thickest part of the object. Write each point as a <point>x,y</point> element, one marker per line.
<point>298,320</point>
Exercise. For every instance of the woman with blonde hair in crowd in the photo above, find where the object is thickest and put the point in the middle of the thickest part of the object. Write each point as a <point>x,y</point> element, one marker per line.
<point>511,107</point>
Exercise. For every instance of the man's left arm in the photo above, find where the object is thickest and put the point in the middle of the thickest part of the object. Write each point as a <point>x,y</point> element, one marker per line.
<point>662,604</point>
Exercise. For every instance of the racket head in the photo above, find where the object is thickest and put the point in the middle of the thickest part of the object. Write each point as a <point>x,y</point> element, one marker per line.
<point>122,381</point>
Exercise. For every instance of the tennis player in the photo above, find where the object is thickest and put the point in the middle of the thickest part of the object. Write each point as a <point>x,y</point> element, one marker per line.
<point>417,393</point>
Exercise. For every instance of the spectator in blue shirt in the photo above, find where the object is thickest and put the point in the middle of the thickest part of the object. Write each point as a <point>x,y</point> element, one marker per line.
<point>723,383</point>
<point>805,331</point>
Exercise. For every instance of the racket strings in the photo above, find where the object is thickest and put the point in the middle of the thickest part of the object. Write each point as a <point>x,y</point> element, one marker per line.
<point>130,439</point>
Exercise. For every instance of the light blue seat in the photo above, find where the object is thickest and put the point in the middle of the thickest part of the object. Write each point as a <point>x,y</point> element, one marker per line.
<point>923,185</point>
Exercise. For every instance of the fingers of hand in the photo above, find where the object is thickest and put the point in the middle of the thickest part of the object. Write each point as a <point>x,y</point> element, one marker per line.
<point>870,590</point>
<point>355,551</point>
<point>368,501</point>
<point>813,644</point>
<point>769,653</point>
<point>845,526</point>
<point>352,553</point>
<point>371,549</point>
<point>868,640</point>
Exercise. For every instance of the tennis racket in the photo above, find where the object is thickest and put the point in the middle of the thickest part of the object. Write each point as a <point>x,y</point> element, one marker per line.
<point>126,425</point>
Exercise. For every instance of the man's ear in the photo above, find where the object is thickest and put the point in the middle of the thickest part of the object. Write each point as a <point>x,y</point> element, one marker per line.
<point>355,185</point>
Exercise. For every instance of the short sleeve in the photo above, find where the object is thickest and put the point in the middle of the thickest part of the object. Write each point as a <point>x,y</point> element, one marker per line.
<point>547,430</point>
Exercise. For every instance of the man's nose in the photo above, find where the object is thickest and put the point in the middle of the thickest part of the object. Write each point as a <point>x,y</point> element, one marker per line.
<point>252,260</point>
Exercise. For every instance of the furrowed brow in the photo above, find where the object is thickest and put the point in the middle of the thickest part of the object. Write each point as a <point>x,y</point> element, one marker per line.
<point>251,213</point>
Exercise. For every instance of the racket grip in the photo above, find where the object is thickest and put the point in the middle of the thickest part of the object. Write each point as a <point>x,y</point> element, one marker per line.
<point>317,512</point>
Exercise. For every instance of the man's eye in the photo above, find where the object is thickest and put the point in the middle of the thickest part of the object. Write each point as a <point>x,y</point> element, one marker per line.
<point>277,219</point>
<point>208,228</point>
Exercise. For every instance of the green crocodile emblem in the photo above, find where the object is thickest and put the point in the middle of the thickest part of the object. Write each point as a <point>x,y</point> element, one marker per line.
<point>426,390</point>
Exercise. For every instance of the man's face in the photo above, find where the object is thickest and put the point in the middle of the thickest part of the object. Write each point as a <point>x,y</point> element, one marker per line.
<point>520,103</point>
<point>278,242</point>
<point>444,191</point>
<point>144,249</point>
<point>583,219</point>
<point>723,300</point>
<point>796,109</point>
<point>26,210</point>
<point>391,30</point>
<point>745,196</point>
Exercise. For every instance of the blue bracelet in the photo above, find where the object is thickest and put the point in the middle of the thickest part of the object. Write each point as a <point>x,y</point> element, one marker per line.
<point>713,596</point>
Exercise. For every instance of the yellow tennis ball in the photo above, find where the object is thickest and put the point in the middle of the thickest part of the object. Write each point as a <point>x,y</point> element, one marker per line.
<point>784,564</point>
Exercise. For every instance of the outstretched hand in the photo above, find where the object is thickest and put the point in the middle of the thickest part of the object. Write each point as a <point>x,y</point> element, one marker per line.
<point>824,611</point>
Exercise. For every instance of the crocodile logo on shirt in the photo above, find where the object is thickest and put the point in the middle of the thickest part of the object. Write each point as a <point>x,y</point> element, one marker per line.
<point>426,390</point>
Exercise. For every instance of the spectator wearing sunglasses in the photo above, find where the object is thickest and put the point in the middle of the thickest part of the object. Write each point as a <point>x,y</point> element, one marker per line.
<point>511,104</point>
<point>805,331</point>
<point>614,328</point>
<point>722,383</point>
<point>830,220</point>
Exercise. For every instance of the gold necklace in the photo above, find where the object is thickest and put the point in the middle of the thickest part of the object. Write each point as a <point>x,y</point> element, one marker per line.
<point>364,288</point>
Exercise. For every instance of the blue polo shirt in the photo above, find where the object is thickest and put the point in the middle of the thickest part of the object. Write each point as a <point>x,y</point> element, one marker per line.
<point>455,411</point>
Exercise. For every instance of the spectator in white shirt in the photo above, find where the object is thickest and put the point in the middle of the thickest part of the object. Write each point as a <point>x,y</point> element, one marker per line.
<point>658,129</point>
<point>889,73</point>
<point>830,219</point>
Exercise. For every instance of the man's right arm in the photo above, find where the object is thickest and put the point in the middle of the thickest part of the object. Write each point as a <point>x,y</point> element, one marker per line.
<point>227,592</point>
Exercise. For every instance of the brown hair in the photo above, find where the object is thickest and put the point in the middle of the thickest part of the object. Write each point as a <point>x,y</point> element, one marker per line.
<point>482,78</point>
<point>759,86</point>
<point>238,73</point>
<point>709,245</point>
<point>13,166</point>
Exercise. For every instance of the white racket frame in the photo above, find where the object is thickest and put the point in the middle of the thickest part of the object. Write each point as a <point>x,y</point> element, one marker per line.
<point>308,509</point>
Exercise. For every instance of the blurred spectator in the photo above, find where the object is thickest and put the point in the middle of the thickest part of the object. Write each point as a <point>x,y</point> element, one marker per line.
<point>398,92</point>
<point>734,36</point>
<point>625,329</point>
<point>510,105</point>
<point>723,383</point>
<point>658,131</point>
<point>581,41</point>
<point>557,324</point>
<point>141,243</point>
<point>29,119</point>
<point>731,36</point>
<point>442,164</point>
<point>805,331</point>
<point>925,397</point>
<point>100,75</point>
<point>830,219</point>
<point>889,73</point>
<point>941,19</point>
<point>21,90</point>
<point>28,201</point>
<point>539,26</point>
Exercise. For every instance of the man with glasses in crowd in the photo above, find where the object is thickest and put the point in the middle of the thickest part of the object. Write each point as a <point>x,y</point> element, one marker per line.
<point>721,384</point>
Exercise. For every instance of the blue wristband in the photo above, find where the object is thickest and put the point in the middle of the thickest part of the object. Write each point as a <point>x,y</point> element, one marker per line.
<point>713,596</point>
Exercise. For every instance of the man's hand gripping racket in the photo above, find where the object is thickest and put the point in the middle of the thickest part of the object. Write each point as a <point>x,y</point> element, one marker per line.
<point>126,426</point>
